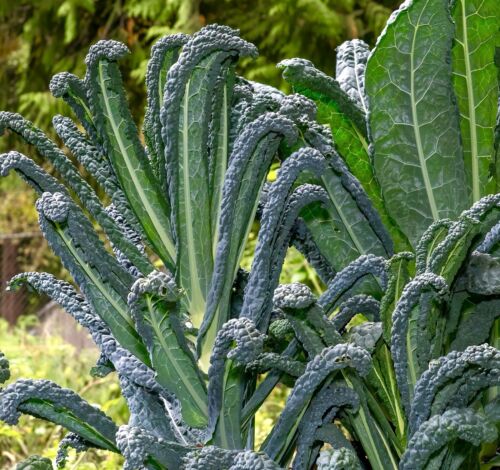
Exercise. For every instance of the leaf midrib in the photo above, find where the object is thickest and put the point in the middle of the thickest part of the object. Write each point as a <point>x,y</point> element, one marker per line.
<point>92,277</point>
<point>348,227</point>
<point>197,299</point>
<point>358,84</point>
<point>476,193</point>
<point>137,184</point>
<point>222,168</point>
<point>416,125</point>
<point>173,360</point>
<point>362,416</point>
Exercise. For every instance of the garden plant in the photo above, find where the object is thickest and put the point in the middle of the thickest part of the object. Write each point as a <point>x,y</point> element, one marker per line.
<point>387,183</point>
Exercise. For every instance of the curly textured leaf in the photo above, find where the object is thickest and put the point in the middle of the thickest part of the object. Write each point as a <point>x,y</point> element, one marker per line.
<point>276,230</point>
<point>483,274</point>
<point>216,458</point>
<point>43,398</point>
<point>74,92</point>
<point>365,335</point>
<point>410,315</point>
<point>489,244</point>
<point>238,342</point>
<point>338,459</point>
<point>76,306</point>
<point>63,165</point>
<point>476,222</point>
<point>361,303</point>
<point>123,148</point>
<point>186,117</point>
<point>440,430</point>
<point>431,238</point>
<point>476,327</point>
<point>103,281</point>
<point>153,304</point>
<point>4,368</point>
<point>35,176</point>
<point>155,410</point>
<point>454,368</point>
<point>327,362</point>
<point>323,408</point>
<point>164,54</point>
<point>255,460</point>
<point>209,458</point>
<point>346,279</point>
<point>250,160</point>
<point>73,441</point>
<point>312,328</point>
<point>35,462</point>
<point>141,448</point>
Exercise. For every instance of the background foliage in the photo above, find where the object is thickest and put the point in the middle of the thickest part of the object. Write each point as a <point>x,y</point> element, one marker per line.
<point>39,38</point>
<point>61,362</point>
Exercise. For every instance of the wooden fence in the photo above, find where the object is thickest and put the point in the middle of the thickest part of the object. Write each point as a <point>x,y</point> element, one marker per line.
<point>12,304</point>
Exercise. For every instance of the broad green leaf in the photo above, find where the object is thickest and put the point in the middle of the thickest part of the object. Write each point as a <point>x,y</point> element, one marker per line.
<point>413,118</point>
<point>347,123</point>
<point>124,149</point>
<point>476,87</point>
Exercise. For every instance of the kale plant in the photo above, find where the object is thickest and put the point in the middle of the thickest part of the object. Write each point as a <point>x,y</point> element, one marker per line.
<point>395,364</point>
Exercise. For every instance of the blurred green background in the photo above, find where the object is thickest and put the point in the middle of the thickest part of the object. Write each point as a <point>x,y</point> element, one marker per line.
<point>39,38</point>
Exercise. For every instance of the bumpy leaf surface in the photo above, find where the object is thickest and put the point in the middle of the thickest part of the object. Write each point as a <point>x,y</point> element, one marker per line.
<point>413,118</point>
